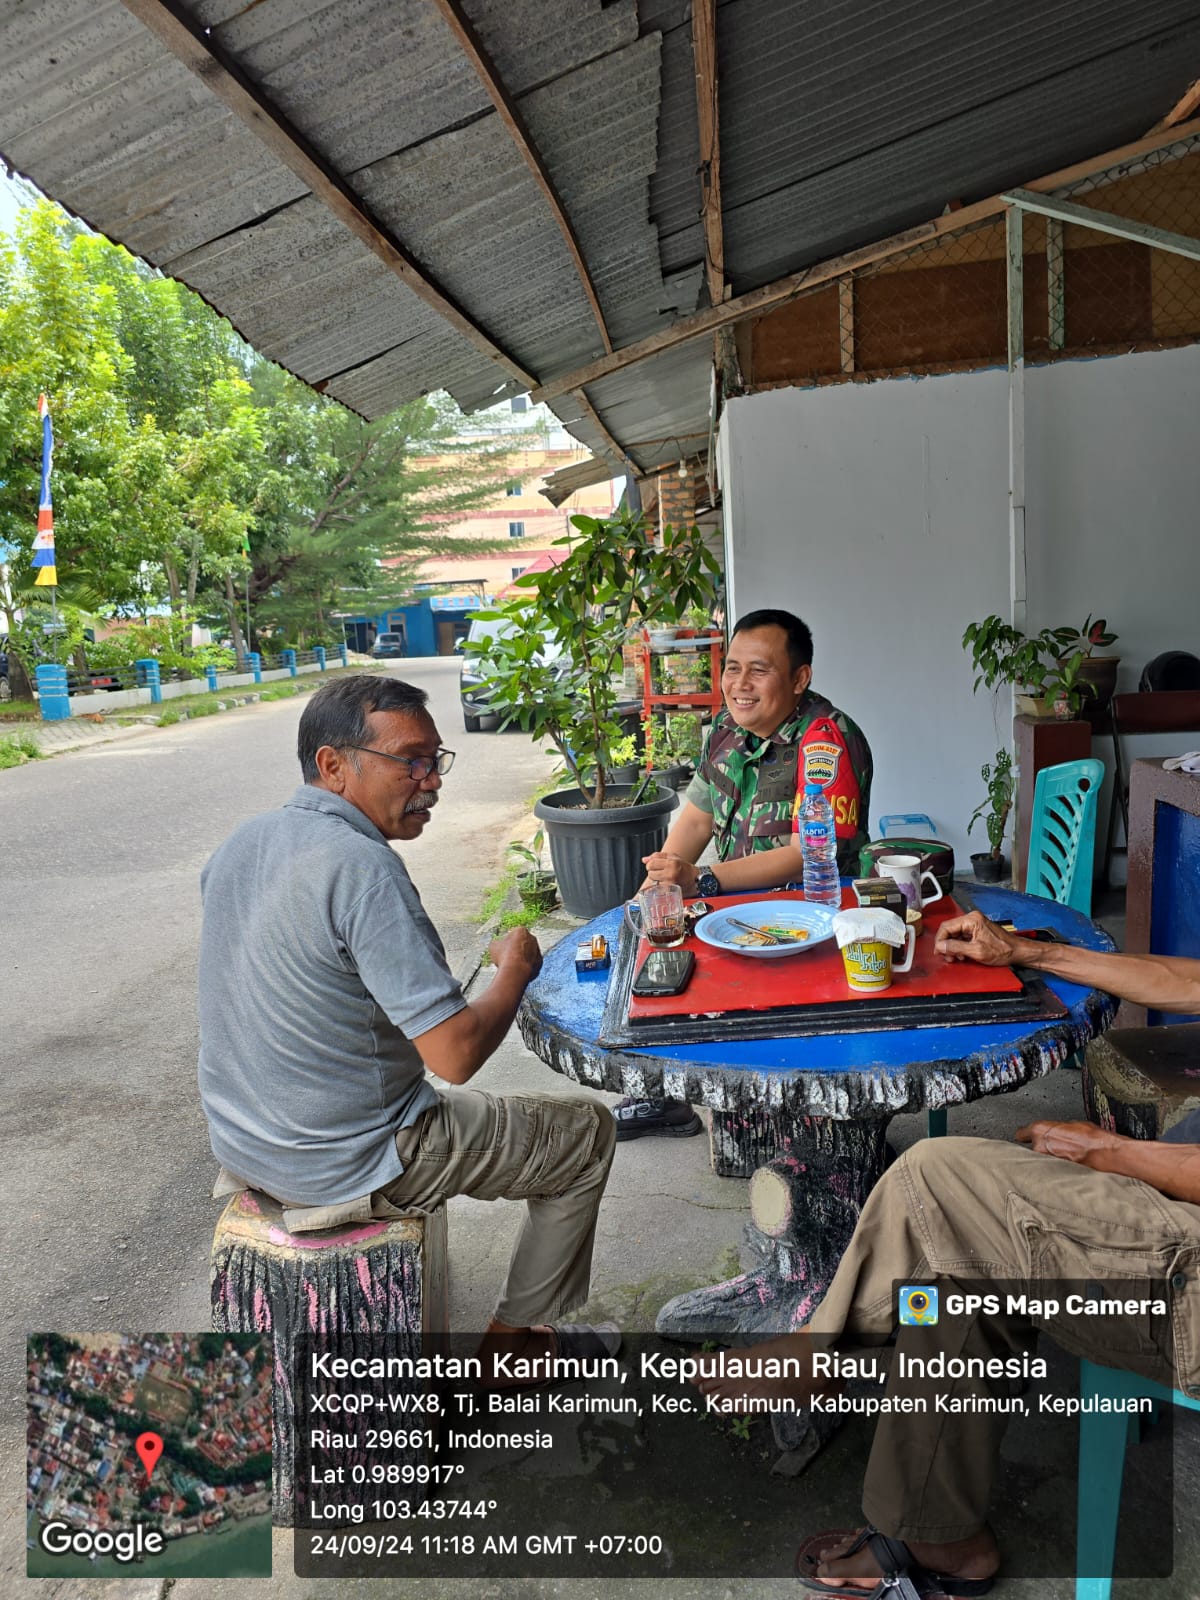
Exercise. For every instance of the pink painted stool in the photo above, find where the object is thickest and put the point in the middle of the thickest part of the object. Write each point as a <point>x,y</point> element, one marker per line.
<point>366,1278</point>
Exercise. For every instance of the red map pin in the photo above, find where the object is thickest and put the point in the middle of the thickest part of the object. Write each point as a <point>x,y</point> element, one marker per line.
<point>149,1446</point>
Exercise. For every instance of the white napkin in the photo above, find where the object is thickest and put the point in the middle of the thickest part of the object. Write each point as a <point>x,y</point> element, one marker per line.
<point>867,923</point>
<point>1187,763</point>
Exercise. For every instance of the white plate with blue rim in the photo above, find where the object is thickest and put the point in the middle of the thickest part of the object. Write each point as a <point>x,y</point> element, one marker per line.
<point>799,926</point>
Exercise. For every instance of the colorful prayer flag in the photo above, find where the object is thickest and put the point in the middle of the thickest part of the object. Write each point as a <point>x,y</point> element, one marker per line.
<point>43,544</point>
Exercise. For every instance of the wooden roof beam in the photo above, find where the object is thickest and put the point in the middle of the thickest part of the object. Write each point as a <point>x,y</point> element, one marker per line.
<point>782,290</point>
<point>224,77</point>
<point>472,47</point>
<point>1185,107</point>
<point>704,53</point>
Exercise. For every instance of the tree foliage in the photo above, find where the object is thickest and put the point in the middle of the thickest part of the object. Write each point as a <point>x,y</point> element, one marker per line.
<point>188,471</point>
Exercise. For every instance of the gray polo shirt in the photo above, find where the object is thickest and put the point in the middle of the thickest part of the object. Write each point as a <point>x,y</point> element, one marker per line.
<point>318,965</point>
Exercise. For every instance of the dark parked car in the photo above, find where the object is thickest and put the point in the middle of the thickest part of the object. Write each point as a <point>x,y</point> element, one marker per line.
<point>389,644</point>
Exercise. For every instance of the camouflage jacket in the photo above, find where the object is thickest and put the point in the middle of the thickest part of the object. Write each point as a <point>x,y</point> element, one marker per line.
<point>753,786</point>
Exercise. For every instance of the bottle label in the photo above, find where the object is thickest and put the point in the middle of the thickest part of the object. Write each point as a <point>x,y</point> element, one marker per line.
<point>816,835</point>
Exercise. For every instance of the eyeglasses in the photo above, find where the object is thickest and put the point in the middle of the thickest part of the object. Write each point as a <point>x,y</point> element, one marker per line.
<point>419,767</point>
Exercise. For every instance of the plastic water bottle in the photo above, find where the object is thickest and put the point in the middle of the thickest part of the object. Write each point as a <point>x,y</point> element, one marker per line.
<point>818,842</point>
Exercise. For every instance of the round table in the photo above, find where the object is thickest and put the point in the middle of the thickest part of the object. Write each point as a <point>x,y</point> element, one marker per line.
<point>807,1116</point>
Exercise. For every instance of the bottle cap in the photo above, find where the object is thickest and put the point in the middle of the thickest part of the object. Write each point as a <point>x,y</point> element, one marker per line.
<point>813,788</point>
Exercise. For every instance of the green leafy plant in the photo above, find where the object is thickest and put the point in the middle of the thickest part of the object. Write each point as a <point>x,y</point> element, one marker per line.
<point>994,810</point>
<point>530,853</point>
<point>1045,665</point>
<point>613,576</point>
<point>1093,635</point>
<point>623,752</point>
<point>684,738</point>
<point>536,886</point>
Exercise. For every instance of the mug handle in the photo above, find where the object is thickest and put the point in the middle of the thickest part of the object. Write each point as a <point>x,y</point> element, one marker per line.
<point>635,924</point>
<point>938,891</point>
<point>910,940</point>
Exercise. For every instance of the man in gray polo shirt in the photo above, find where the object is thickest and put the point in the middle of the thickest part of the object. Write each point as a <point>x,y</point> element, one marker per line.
<point>325,994</point>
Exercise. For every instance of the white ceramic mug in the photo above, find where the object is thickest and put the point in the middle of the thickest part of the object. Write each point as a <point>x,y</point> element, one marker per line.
<point>906,871</point>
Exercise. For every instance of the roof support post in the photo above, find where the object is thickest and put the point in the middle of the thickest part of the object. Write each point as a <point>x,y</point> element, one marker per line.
<point>1014,239</point>
<point>1178,244</point>
<point>704,54</point>
<point>1056,307</point>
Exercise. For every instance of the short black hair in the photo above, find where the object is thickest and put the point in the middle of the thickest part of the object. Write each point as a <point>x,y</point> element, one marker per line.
<point>337,714</point>
<point>799,634</point>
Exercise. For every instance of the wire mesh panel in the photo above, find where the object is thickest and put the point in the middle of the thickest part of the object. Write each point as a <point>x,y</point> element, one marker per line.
<point>942,306</point>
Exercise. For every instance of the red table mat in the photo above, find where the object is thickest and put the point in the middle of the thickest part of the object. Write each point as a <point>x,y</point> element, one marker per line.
<point>724,982</point>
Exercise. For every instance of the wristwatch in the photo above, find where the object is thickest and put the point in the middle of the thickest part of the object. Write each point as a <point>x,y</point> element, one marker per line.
<point>707,883</point>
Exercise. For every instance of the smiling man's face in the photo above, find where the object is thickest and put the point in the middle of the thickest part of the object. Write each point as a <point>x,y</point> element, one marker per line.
<point>760,685</point>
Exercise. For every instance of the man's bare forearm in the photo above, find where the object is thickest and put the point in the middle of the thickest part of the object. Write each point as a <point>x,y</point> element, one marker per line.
<point>1172,1169</point>
<point>1165,983</point>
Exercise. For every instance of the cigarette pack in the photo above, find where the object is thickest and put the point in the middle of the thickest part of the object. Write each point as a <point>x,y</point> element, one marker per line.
<point>592,955</point>
<point>885,892</point>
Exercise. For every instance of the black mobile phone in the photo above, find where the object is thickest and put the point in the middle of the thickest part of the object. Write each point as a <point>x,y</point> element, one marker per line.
<point>664,972</point>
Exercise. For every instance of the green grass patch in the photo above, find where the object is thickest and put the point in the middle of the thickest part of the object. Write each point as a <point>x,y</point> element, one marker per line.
<point>523,917</point>
<point>167,718</point>
<point>18,711</point>
<point>18,748</point>
<point>495,897</point>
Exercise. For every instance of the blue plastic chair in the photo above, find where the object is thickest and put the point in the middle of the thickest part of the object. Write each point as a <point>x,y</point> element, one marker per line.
<point>1102,1441</point>
<point>1062,833</point>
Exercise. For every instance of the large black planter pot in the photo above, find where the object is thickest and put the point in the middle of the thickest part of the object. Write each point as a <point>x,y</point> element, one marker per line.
<point>597,855</point>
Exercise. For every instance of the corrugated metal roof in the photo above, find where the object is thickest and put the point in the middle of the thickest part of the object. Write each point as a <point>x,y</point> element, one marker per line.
<point>841,121</point>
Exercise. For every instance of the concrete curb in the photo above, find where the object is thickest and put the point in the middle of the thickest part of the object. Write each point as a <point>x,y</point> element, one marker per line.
<point>88,728</point>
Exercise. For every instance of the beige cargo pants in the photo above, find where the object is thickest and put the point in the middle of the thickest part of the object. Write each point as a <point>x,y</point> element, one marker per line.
<point>552,1153</point>
<point>960,1213</point>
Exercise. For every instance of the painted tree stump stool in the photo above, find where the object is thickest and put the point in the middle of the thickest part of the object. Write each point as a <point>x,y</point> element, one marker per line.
<point>1142,1081</point>
<point>369,1278</point>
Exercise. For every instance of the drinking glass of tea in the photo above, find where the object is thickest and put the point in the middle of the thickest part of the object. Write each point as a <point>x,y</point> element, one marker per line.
<point>659,919</point>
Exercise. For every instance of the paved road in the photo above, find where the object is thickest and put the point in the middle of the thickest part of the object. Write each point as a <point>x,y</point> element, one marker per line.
<point>106,1171</point>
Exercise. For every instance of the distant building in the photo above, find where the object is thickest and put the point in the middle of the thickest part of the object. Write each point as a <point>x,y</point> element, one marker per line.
<point>519,519</point>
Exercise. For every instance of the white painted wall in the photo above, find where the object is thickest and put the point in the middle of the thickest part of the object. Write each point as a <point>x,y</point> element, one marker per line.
<point>878,512</point>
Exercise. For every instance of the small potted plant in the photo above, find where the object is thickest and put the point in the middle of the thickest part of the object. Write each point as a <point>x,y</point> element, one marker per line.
<point>1044,677</point>
<point>537,887</point>
<point>989,865</point>
<point>1095,675</point>
<point>623,760</point>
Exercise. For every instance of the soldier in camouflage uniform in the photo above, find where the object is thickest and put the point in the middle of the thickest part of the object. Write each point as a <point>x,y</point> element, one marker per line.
<point>774,736</point>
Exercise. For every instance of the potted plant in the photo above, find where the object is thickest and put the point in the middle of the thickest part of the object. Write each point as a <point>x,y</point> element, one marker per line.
<point>624,758</point>
<point>614,576</point>
<point>537,887</point>
<point>988,865</point>
<point>1096,675</point>
<point>1044,678</point>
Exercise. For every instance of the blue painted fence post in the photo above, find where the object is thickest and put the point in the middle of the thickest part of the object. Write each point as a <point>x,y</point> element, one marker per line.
<point>149,676</point>
<point>319,652</point>
<point>343,654</point>
<point>211,674</point>
<point>254,657</point>
<point>53,701</point>
<point>288,658</point>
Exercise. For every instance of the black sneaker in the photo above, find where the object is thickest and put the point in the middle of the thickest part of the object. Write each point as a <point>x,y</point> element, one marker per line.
<point>673,1119</point>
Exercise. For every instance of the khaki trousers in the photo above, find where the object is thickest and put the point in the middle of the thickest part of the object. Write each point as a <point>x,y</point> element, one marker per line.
<point>961,1212</point>
<point>553,1154</point>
